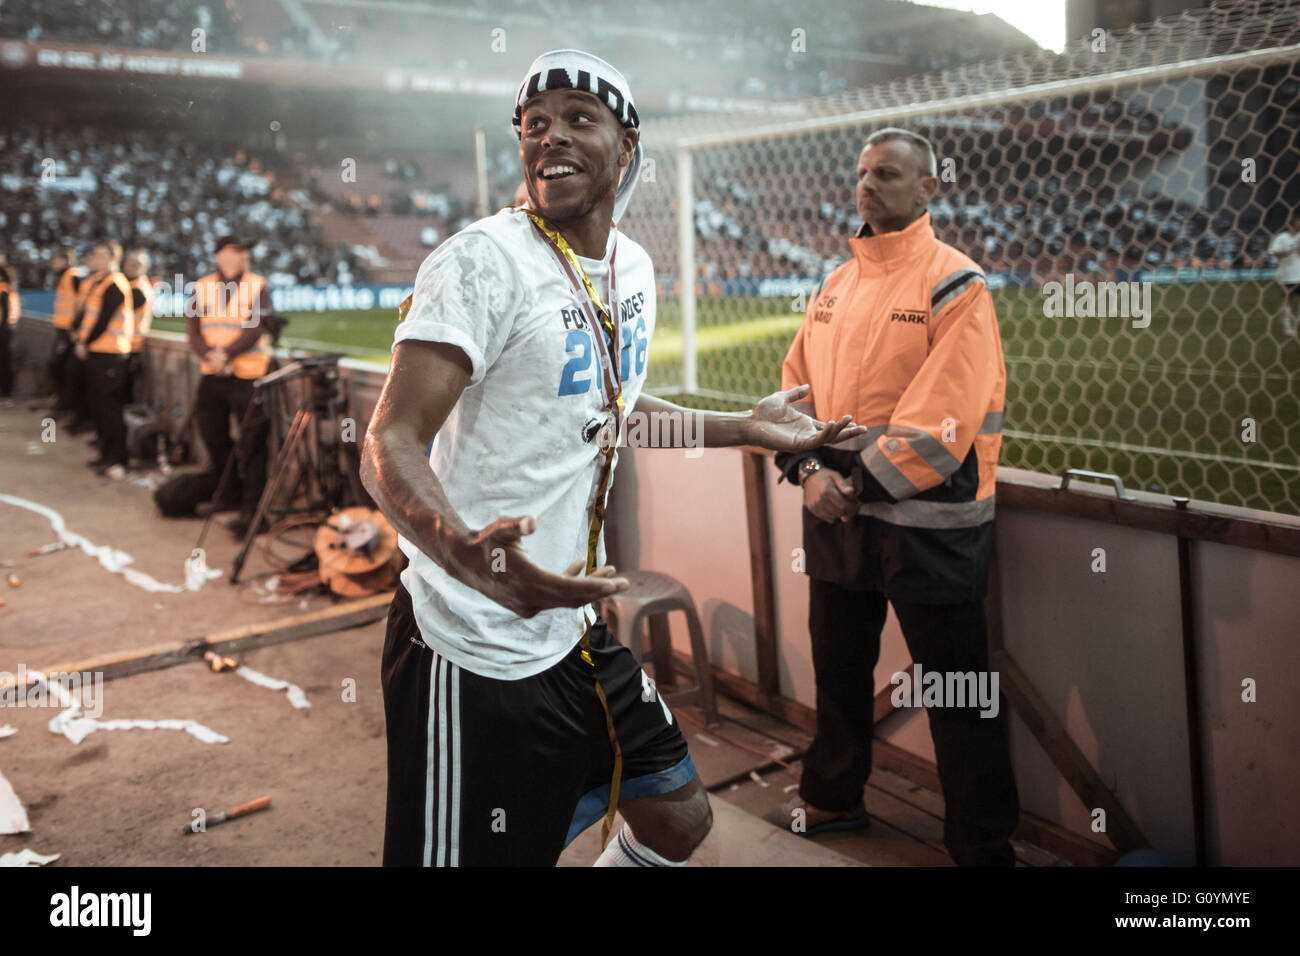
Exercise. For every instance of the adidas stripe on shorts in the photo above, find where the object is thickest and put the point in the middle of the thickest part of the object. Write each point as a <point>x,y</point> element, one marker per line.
<point>485,772</point>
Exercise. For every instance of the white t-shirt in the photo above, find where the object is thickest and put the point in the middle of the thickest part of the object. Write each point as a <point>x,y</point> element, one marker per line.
<point>1287,248</point>
<point>522,439</point>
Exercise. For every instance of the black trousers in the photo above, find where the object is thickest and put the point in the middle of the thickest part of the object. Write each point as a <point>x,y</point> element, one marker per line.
<point>221,396</point>
<point>107,380</point>
<point>57,366</point>
<point>75,394</point>
<point>973,752</point>
<point>6,361</point>
<point>136,392</point>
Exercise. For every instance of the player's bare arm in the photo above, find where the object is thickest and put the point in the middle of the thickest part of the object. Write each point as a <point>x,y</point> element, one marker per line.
<point>424,384</point>
<point>774,423</point>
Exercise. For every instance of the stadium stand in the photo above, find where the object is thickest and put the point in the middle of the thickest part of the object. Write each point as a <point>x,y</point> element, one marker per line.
<point>883,39</point>
<point>1024,220</point>
<point>173,199</point>
<point>146,24</point>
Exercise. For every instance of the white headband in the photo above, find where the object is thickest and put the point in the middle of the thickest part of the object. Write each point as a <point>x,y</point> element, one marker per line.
<point>575,70</point>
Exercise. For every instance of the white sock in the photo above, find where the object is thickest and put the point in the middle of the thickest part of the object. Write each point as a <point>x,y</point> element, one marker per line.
<point>624,850</point>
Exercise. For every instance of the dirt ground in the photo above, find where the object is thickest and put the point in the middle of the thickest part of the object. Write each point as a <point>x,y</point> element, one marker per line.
<point>123,797</point>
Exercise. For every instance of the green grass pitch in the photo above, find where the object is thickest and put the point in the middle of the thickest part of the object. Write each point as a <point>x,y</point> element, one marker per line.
<point>1169,406</point>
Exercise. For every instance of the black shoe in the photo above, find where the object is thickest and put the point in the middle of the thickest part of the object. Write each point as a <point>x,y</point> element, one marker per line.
<point>99,464</point>
<point>803,819</point>
<point>205,508</point>
<point>240,525</point>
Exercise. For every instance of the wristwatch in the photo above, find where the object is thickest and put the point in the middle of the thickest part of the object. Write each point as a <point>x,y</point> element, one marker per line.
<point>807,467</point>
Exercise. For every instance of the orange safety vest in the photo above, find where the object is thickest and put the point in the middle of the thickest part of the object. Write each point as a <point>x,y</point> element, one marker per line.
<point>15,304</point>
<point>116,338</point>
<point>84,290</point>
<point>66,297</point>
<point>144,314</point>
<point>226,308</point>
<point>905,338</point>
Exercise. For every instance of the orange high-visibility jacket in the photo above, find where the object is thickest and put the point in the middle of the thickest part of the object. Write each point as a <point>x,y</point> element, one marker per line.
<point>115,339</point>
<point>85,287</point>
<point>225,308</point>
<point>143,302</point>
<point>905,339</point>
<point>13,305</point>
<point>66,297</point>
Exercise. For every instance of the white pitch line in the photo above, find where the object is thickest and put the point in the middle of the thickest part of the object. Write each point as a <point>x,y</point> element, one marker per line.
<point>1149,450</point>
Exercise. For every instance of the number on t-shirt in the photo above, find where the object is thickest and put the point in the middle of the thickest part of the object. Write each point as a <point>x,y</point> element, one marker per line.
<point>633,337</point>
<point>641,345</point>
<point>577,339</point>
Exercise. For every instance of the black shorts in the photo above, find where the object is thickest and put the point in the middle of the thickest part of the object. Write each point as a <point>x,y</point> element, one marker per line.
<point>485,772</point>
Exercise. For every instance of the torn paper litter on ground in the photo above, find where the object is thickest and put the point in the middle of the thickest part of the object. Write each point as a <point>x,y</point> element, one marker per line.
<point>112,560</point>
<point>197,572</point>
<point>8,730</point>
<point>27,858</point>
<point>71,724</point>
<point>13,818</point>
<point>296,696</point>
<point>78,729</point>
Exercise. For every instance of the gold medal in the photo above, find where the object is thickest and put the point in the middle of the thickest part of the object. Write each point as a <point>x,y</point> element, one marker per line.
<point>605,440</point>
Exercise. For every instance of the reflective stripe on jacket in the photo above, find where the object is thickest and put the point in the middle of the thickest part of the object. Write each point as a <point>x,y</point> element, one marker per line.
<point>14,312</point>
<point>143,313</point>
<point>66,297</point>
<point>116,338</point>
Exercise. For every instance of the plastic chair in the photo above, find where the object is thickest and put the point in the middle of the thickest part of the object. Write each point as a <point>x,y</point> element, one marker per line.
<point>652,596</point>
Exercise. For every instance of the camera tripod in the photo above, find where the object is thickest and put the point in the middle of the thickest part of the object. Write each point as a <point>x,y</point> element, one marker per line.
<point>315,470</point>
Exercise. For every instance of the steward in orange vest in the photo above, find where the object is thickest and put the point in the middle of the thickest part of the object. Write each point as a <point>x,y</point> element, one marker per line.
<point>10,311</point>
<point>136,269</point>
<point>68,277</point>
<point>102,259</point>
<point>231,327</point>
<point>903,337</point>
<point>104,329</point>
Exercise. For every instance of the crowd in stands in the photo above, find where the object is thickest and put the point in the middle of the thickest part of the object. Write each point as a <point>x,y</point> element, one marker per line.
<point>1020,228</point>
<point>145,24</point>
<point>1028,230</point>
<point>737,48</point>
<point>396,205</point>
<point>174,198</point>
<point>69,187</point>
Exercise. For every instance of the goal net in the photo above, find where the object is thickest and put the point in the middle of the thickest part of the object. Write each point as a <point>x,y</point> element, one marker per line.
<point>1159,162</point>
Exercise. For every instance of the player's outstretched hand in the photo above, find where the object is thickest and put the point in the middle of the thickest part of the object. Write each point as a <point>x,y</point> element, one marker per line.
<point>493,561</point>
<point>778,425</point>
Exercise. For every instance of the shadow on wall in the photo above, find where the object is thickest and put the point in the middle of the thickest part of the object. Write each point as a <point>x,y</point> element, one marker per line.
<point>622,531</point>
<point>730,627</point>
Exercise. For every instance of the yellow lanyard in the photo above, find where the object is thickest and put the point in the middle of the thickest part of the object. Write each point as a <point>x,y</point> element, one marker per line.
<point>574,269</point>
<point>577,277</point>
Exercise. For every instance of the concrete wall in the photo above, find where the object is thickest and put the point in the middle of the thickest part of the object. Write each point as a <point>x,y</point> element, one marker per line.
<point>1104,649</point>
